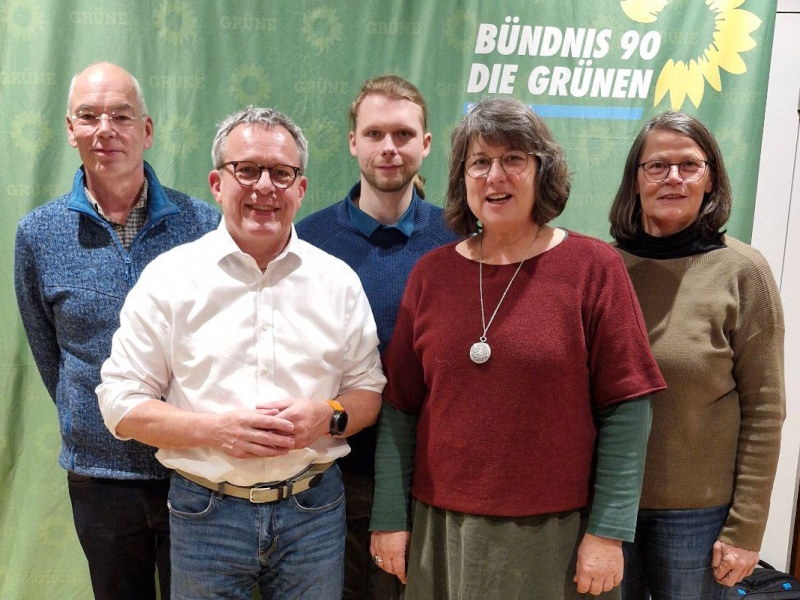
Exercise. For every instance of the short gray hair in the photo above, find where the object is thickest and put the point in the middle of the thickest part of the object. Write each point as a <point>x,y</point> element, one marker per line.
<point>266,117</point>
<point>137,88</point>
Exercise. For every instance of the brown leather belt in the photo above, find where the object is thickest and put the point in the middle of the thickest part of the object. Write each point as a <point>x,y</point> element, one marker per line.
<point>264,492</point>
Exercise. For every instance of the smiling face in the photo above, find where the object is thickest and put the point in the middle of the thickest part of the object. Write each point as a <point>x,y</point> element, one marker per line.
<point>501,202</point>
<point>389,142</point>
<point>673,204</point>
<point>259,217</point>
<point>108,153</point>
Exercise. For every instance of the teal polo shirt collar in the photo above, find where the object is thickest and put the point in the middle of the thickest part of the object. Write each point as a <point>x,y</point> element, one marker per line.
<point>367,225</point>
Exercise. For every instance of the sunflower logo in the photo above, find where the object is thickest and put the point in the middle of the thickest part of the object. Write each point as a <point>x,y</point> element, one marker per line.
<point>249,84</point>
<point>687,76</point>
<point>736,146</point>
<point>55,529</point>
<point>456,28</point>
<point>21,20</point>
<point>30,132</point>
<point>323,28</point>
<point>595,146</point>
<point>643,11</point>
<point>175,22</point>
<point>327,139</point>
<point>178,136</point>
<point>46,440</point>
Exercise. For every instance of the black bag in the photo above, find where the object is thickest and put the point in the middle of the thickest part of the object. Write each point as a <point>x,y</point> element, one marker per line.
<point>764,584</point>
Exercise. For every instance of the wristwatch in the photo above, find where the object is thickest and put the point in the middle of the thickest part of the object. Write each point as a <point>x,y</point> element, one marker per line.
<point>339,418</point>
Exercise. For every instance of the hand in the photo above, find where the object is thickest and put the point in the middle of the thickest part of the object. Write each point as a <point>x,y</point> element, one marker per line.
<point>600,564</point>
<point>252,433</point>
<point>732,564</point>
<point>392,547</point>
<point>311,418</point>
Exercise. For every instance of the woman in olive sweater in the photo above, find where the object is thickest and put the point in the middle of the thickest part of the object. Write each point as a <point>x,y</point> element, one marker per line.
<point>715,322</point>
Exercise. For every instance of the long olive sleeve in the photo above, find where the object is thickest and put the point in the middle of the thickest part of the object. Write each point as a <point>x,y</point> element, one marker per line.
<point>621,446</point>
<point>394,466</point>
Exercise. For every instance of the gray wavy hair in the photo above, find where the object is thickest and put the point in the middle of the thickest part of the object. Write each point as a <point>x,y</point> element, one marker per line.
<point>252,115</point>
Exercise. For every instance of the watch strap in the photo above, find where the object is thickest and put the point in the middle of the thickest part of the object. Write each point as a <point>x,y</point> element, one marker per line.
<point>337,407</point>
<point>338,419</point>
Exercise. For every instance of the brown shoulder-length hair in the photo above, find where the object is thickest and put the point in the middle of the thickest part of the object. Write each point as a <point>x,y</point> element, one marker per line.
<point>626,211</point>
<point>507,122</point>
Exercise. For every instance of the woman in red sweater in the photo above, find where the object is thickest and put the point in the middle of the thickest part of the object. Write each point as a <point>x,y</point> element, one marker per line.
<point>516,412</point>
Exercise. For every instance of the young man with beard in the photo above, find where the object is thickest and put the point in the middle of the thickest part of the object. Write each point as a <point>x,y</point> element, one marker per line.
<point>380,229</point>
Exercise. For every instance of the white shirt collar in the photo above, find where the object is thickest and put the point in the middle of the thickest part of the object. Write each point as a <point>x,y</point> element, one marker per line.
<point>224,245</point>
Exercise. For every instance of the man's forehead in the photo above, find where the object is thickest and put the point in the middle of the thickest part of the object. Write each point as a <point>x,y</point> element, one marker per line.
<point>106,89</point>
<point>255,138</point>
<point>398,111</point>
<point>255,133</point>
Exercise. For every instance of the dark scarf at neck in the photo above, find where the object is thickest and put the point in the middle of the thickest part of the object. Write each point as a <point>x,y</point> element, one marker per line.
<point>686,242</point>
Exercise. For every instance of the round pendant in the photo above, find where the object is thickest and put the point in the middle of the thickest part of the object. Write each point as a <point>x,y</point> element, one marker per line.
<point>480,352</point>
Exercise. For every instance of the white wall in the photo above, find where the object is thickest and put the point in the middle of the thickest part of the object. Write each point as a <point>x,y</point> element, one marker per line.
<point>776,233</point>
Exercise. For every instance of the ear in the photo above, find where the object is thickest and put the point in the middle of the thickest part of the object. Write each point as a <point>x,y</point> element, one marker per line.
<point>215,183</point>
<point>71,133</point>
<point>352,138</point>
<point>426,144</point>
<point>148,132</point>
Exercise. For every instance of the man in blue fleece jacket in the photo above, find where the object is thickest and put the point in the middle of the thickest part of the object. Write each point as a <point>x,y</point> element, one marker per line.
<point>75,260</point>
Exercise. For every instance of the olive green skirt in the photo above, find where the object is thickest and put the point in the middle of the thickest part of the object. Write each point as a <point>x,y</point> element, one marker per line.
<point>456,556</point>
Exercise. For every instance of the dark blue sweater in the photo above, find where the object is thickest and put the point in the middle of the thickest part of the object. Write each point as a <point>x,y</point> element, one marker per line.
<point>71,275</point>
<point>383,261</point>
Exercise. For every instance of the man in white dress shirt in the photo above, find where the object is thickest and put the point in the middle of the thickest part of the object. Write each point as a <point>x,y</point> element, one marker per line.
<point>246,357</point>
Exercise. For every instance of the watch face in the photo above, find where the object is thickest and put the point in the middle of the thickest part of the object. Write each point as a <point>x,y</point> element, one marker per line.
<point>338,423</point>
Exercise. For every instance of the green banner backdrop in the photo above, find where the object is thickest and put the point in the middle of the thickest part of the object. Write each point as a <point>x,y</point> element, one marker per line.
<point>595,70</point>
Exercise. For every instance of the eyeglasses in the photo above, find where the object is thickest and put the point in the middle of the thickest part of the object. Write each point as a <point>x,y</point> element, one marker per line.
<point>249,173</point>
<point>118,120</point>
<point>514,162</point>
<point>656,171</point>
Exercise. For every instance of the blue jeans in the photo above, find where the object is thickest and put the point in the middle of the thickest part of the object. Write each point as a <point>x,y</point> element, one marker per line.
<point>223,547</point>
<point>123,527</point>
<point>671,557</point>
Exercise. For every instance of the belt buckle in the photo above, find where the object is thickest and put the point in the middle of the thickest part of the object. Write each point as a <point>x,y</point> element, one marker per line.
<point>262,495</point>
<point>283,490</point>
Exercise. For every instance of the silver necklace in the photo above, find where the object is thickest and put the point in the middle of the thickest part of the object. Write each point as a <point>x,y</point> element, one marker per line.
<point>480,351</point>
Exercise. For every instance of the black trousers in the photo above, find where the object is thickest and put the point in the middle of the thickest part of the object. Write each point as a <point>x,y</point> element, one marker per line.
<point>123,527</point>
<point>362,579</point>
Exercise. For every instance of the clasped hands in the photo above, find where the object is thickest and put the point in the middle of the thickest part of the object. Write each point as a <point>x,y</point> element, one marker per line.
<point>272,428</point>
